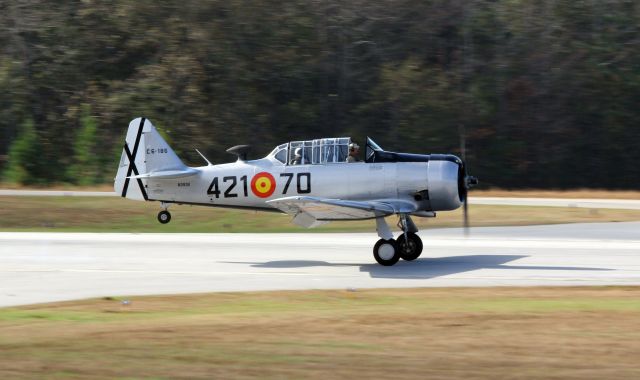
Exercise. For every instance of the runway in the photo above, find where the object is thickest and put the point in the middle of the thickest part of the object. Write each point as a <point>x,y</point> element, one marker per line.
<point>44,267</point>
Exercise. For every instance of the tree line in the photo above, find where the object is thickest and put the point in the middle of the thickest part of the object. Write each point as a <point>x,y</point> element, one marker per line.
<point>546,93</point>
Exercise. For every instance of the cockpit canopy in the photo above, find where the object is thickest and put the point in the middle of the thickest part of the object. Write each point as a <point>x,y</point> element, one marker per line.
<point>318,151</point>
<point>335,150</point>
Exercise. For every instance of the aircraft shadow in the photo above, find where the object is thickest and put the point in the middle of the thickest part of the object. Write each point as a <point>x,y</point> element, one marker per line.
<point>425,268</point>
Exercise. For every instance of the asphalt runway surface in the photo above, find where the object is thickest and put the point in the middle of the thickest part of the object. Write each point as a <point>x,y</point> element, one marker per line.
<point>44,267</point>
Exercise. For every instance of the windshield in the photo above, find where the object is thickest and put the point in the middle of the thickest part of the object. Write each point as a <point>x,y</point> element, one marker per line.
<point>372,147</point>
<point>280,153</point>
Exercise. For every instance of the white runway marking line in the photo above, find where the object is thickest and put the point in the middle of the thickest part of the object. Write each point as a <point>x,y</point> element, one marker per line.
<point>593,203</point>
<point>534,243</point>
<point>225,273</point>
<point>321,241</point>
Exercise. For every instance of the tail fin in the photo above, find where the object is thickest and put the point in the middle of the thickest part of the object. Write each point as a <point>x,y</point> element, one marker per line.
<point>145,152</point>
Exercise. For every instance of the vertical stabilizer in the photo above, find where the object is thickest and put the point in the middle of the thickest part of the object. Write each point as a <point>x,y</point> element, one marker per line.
<point>144,152</point>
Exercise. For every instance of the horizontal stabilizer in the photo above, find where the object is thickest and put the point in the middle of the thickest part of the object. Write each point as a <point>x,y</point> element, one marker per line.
<point>168,174</point>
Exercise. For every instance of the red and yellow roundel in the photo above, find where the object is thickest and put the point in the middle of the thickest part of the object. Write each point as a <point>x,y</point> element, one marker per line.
<point>263,184</point>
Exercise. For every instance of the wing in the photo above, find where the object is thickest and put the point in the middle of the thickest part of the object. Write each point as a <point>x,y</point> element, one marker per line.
<point>313,211</point>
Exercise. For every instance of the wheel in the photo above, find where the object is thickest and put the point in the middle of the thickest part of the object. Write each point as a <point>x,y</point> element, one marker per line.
<point>386,252</point>
<point>164,217</point>
<point>411,247</point>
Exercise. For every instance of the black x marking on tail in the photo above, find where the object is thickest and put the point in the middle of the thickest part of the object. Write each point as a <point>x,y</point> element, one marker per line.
<point>132,163</point>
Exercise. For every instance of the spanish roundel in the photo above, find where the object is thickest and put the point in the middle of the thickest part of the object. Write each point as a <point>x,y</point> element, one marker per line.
<point>263,185</point>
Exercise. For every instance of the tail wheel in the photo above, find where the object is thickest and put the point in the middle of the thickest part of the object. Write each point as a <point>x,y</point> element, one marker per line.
<point>386,252</point>
<point>164,217</point>
<point>411,247</point>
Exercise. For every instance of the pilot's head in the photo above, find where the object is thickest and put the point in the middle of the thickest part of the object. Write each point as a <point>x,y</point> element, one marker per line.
<point>354,148</point>
<point>298,152</point>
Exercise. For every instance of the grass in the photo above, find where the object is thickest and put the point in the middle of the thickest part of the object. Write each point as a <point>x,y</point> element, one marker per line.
<point>478,333</point>
<point>477,192</point>
<point>110,214</point>
<point>470,333</point>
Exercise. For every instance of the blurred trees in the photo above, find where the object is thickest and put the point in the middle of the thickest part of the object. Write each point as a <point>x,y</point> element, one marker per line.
<point>548,92</point>
<point>85,164</point>
<point>25,164</point>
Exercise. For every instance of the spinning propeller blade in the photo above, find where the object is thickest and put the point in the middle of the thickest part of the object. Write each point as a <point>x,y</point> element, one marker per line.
<point>469,181</point>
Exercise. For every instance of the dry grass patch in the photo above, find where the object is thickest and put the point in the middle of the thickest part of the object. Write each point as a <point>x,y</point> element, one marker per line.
<point>414,334</point>
<point>522,193</point>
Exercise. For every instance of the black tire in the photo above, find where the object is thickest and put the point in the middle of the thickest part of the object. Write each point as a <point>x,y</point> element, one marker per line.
<point>164,217</point>
<point>410,248</point>
<point>382,253</point>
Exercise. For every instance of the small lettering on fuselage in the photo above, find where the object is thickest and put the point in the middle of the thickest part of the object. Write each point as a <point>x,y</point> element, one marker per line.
<point>184,184</point>
<point>157,150</point>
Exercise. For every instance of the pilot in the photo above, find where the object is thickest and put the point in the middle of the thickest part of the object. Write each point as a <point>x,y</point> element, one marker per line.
<point>297,159</point>
<point>354,150</point>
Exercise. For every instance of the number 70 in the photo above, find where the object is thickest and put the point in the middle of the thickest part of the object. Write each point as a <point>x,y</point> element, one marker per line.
<point>303,182</point>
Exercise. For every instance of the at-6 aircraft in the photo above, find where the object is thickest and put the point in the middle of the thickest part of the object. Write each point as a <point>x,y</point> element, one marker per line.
<point>310,180</point>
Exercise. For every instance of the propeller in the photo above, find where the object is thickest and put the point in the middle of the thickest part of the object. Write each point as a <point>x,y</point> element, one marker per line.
<point>468,181</point>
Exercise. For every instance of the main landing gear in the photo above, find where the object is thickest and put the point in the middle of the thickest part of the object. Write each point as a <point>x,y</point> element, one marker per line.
<point>164,216</point>
<point>408,246</point>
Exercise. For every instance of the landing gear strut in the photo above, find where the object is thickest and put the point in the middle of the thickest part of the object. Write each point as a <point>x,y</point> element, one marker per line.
<point>164,216</point>
<point>408,246</point>
<point>409,242</point>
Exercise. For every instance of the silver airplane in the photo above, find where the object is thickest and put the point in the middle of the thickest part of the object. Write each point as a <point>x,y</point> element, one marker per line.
<point>314,181</point>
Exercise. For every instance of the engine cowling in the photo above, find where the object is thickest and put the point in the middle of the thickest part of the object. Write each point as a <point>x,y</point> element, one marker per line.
<point>446,181</point>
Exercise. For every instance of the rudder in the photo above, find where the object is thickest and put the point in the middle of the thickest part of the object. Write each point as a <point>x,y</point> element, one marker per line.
<point>144,152</point>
